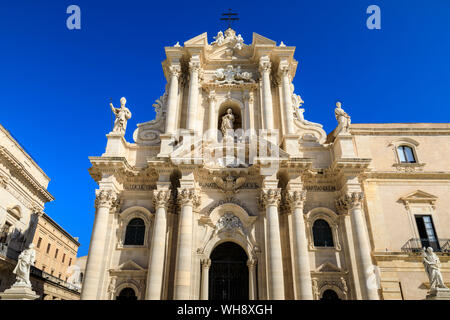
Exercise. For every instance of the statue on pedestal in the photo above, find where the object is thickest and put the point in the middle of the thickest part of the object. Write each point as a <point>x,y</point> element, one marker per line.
<point>227,123</point>
<point>433,269</point>
<point>122,114</point>
<point>342,118</point>
<point>22,270</point>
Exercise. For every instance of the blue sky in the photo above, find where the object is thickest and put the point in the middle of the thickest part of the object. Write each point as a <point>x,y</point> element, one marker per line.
<point>56,83</point>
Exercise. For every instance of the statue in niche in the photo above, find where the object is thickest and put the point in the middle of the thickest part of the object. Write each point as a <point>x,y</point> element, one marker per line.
<point>227,126</point>
<point>122,114</point>
<point>22,270</point>
<point>342,118</point>
<point>433,269</point>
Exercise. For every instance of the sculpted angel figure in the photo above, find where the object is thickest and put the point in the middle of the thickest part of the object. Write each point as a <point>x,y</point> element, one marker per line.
<point>227,122</point>
<point>342,118</point>
<point>22,270</point>
<point>122,114</point>
<point>432,268</point>
<point>239,42</point>
<point>219,39</point>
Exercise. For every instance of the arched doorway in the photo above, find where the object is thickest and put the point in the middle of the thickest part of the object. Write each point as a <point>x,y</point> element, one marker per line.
<point>228,275</point>
<point>127,294</point>
<point>330,295</point>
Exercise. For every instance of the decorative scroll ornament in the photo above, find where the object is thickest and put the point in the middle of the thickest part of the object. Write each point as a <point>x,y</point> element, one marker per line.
<point>161,198</point>
<point>188,197</point>
<point>349,201</point>
<point>229,222</point>
<point>105,199</point>
<point>270,197</point>
<point>229,75</point>
<point>148,133</point>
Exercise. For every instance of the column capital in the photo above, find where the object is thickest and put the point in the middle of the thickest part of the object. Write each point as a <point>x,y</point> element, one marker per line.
<point>212,96</point>
<point>270,197</point>
<point>296,198</point>
<point>265,64</point>
<point>161,198</point>
<point>284,69</point>
<point>251,263</point>
<point>206,263</point>
<point>349,201</point>
<point>175,70</point>
<point>105,199</point>
<point>188,197</point>
<point>248,96</point>
<point>194,65</point>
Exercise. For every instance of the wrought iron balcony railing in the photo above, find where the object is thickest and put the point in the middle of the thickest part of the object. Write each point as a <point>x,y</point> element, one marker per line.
<point>416,245</point>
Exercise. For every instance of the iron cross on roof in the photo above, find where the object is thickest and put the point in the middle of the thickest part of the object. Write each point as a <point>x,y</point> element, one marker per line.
<point>230,17</point>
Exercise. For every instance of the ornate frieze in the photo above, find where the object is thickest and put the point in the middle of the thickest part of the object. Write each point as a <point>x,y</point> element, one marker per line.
<point>139,187</point>
<point>348,201</point>
<point>188,197</point>
<point>230,75</point>
<point>161,198</point>
<point>320,188</point>
<point>105,199</point>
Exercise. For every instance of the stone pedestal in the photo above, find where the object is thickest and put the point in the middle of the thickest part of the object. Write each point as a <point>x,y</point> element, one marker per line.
<point>439,294</point>
<point>19,292</point>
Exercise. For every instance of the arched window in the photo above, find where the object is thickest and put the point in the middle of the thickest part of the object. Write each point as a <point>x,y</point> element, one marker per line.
<point>127,294</point>
<point>323,236</point>
<point>329,295</point>
<point>406,154</point>
<point>135,233</point>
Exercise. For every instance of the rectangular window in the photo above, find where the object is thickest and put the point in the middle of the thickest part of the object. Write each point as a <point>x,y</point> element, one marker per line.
<point>39,242</point>
<point>64,258</point>
<point>48,248</point>
<point>56,253</point>
<point>427,233</point>
<point>70,261</point>
<point>405,154</point>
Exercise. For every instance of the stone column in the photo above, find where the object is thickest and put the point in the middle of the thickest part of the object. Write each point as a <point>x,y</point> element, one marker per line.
<point>206,264</point>
<point>212,116</point>
<point>94,267</point>
<point>284,72</point>
<point>264,69</point>
<point>352,203</point>
<point>158,246</point>
<point>302,272</point>
<point>187,199</point>
<point>172,103</point>
<point>252,289</point>
<point>248,100</point>
<point>194,68</point>
<point>270,199</point>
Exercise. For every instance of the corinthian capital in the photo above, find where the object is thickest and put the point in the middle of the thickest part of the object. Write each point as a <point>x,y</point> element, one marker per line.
<point>188,197</point>
<point>175,70</point>
<point>296,198</point>
<point>349,201</point>
<point>194,65</point>
<point>206,263</point>
<point>264,64</point>
<point>284,69</point>
<point>105,199</point>
<point>270,197</point>
<point>161,198</point>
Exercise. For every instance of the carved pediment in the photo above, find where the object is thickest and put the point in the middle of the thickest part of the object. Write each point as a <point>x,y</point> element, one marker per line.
<point>328,267</point>
<point>129,265</point>
<point>200,40</point>
<point>418,196</point>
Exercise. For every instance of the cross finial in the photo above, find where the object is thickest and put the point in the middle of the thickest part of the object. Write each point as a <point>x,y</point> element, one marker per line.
<point>229,17</point>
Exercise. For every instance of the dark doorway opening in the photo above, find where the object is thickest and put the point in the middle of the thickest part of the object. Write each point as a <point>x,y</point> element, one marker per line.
<point>228,276</point>
<point>330,295</point>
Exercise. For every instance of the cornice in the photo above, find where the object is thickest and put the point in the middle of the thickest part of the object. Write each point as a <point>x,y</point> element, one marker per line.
<point>431,175</point>
<point>400,129</point>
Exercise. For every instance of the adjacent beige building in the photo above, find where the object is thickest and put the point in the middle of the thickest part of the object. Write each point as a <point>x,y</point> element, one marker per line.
<point>276,208</point>
<point>23,194</point>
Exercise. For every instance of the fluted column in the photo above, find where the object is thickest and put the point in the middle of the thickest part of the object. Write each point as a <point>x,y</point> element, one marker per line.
<point>264,69</point>
<point>104,202</point>
<point>194,68</point>
<point>206,264</point>
<point>188,199</point>
<point>253,294</point>
<point>248,100</point>
<point>212,116</point>
<point>284,72</point>
<point>302,272</point>
<point>158,246</point>
<point>270,199</point>
<point>172,103</point>
<point>352,203</point>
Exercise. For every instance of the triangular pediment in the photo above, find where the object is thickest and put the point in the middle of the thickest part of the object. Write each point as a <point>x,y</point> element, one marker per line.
<point>259,39</point>
<point>200,40</point>
<point>418,196</point>
<point>328,267</point>
<point>130,265</point>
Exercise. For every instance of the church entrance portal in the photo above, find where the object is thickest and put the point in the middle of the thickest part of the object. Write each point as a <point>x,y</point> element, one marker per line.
<point>228,275</point>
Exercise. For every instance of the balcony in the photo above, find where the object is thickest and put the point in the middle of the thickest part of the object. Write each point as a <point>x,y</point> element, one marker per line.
<point>415,245</point>
<point>48,277</point>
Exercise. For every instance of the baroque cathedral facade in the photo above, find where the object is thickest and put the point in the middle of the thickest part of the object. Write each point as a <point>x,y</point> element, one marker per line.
<point>229,193</point>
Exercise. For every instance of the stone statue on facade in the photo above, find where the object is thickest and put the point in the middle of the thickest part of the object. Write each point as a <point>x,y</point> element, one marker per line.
<point>22,270</point>
<point>122,114</point>
<point>219,39</point>
<point>239,42</point>
<point>433,269</point>
<point>227,123</point>
<point>342,118</point>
